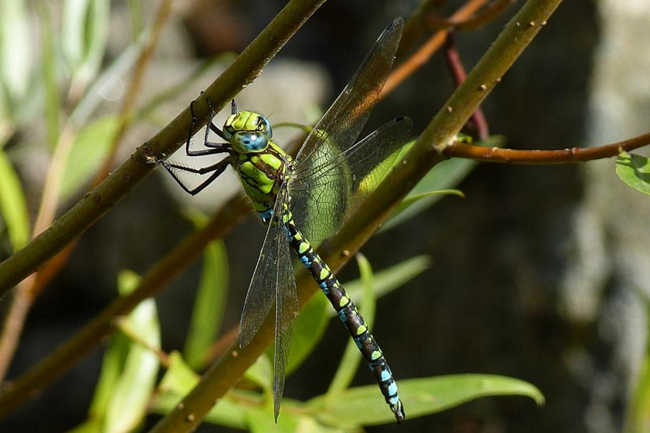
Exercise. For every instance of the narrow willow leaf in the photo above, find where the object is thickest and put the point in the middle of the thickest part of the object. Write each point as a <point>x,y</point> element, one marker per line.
<point>90,426</point>
<point>389,279</point>
<point>13,208</point>
<point>15,49</point>
<point>261,421</point>
<point>226,412</point>
<point>639,410</point>
<point>179,378</point>
<point>634,170</point>
<point>209,305</point>
<point>444,176</point>
<point>261,373</point>
<point>48,70</point>
<point>365,406</point>
<point>134,388</point>
<point>90,148</point>
<point>351,357</point>
<point>309,331</point>
<point>84,35</point>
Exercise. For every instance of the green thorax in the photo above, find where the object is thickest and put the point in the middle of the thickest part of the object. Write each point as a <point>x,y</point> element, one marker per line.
<point>261,164</point>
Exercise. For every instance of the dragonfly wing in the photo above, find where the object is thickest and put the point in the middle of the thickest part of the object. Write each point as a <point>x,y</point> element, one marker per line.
<point>273,281</point>
<point>273,275</point>
<point>330,192</point>
<point>338,129</point>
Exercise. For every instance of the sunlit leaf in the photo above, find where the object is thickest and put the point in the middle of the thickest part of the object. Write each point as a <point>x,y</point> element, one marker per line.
<point>133,390</point>
<point>389,279</point>
<point>634,170</point>
<point>13,208</point>
<point>309,330</point>
<point>638,412</point>
<point>84,35</point>
<point>90,148</point>
<point>209,304</point>
<point>48,70</point>
<point>351,357</point>
<point>366,406</point>
<point>15,48</point>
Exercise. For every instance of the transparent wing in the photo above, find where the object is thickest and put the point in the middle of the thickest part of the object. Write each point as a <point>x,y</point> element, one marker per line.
<point>325,195</point>
<point>335,133</point>
<point>343,121</point>
<point>273,281</point>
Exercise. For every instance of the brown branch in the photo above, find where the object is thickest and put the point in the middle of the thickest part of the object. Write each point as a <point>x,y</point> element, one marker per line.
<point>562,156</point>
<point>487,15</point>
<point>422,56</point>
<point>477,122</point>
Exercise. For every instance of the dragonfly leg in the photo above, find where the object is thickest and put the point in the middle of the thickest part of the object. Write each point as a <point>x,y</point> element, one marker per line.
<point>212,126</point>
<point>217,169</point>
<point>214,147</point>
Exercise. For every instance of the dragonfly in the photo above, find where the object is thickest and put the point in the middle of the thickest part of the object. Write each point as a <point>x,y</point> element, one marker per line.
<point>307,198</point>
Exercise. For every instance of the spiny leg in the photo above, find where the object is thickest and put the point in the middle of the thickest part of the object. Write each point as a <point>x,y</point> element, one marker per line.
<point>217,168</point>
<point>214,148</point>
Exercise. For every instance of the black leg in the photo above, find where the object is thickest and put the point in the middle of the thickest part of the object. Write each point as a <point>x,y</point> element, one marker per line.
<point>212,126</point>
<point>217,168</point>
<point>214,147</point>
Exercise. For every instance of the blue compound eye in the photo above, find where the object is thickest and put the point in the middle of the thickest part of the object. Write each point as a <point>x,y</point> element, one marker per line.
<point>265,126</point>
<point>251,141</point>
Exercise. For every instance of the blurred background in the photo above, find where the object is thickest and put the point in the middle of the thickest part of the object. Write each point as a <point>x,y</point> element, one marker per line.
<point>538,274</point>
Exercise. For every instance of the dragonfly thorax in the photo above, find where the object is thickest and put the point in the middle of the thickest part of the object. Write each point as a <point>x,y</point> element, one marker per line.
<point>248,132</point>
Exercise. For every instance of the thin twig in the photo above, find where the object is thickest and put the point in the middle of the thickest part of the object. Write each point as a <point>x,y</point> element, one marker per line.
<point>422,56</point>
<point>545,157</point>
<point>477,122</point>
<point>478,20</point>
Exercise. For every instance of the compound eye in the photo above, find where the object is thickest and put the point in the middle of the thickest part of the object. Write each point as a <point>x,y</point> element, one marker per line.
<point>251,141</point>
<point>265,126</point>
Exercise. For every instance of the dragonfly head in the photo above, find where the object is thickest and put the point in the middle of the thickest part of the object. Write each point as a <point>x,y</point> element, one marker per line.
<point>248,131</point>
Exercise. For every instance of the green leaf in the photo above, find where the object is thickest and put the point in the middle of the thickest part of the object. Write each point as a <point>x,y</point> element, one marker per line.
<point>639,410</point>
<point>84,35</point>
<point>260,420</point>
<point>261,373</point>
<point>13,208</point>
<point>634,170</point>
<point>133,390</point>
<point>90,426</point>
<point>179,378</point>
<point>48,69</point>
<point>351,357</point>
<point>389,279</point>
<point>225,412</point>
<point>15,49</point>
<point>412,199</point>
<point>209,305</point>
<point>90,148</point>
<point>365,405</point>
<point>444,176</point>
<point>309,330</point>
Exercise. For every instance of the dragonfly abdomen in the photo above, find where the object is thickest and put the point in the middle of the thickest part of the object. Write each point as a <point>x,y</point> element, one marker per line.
<point>347,312</point>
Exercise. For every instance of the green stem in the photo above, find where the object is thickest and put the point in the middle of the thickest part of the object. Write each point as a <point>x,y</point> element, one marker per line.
<point>336,251</point>
<point>95,204</point>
